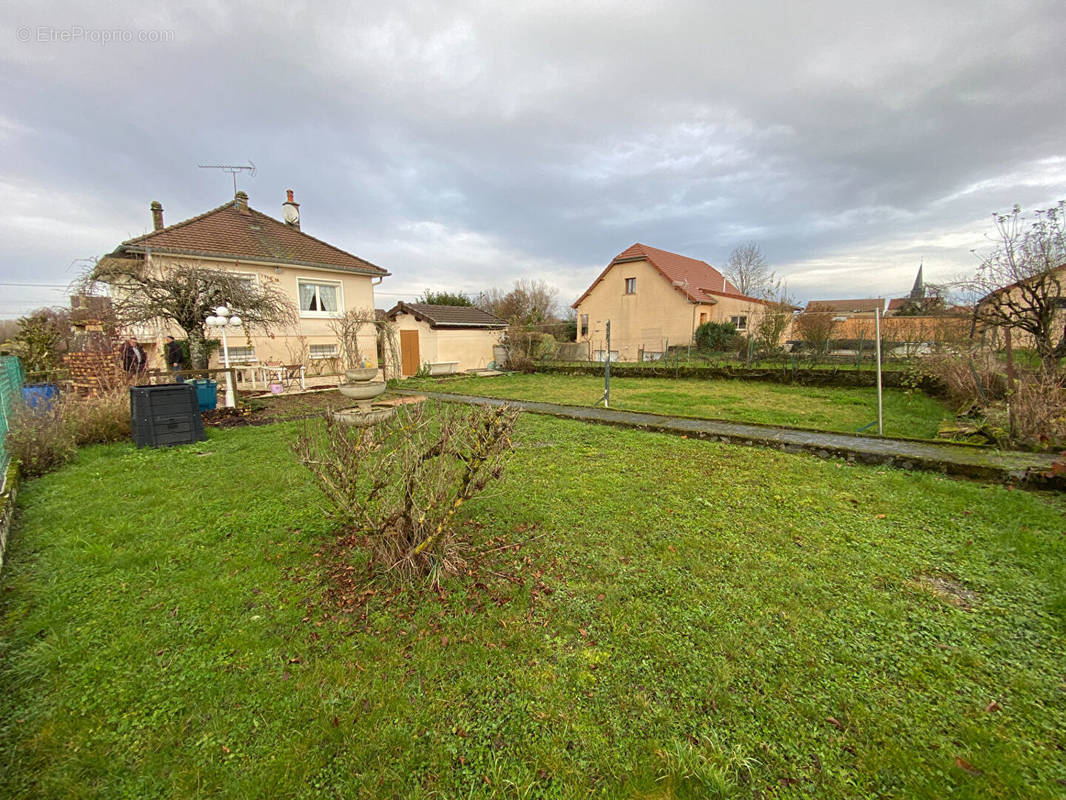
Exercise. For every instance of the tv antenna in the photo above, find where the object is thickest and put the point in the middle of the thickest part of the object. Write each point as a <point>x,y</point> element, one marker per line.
<point>232,169</point>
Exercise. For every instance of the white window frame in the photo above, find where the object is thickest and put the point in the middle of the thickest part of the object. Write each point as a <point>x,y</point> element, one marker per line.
<point>740,322</point>
<point>631,285</point>
<point>320,314</point>
<point>334,353</point>
<point>236,357</point>
<point>251,276</point>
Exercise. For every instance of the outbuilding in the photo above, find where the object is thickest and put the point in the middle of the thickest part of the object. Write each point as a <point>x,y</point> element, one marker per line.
<point>445,339</point>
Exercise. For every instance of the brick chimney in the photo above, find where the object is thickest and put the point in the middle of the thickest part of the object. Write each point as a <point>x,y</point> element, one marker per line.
<point>290,211</point>
<point>240,200</point>
<point>157,215</point>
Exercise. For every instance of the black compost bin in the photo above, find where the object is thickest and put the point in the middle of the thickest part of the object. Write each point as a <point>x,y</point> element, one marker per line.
<point>165,415</point>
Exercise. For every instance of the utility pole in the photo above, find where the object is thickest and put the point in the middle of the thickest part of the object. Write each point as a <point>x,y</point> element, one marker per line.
<point>607,371</point>
<point>880,406</point>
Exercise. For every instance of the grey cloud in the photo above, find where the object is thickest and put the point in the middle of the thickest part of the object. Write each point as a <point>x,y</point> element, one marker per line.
<point>544,138</point>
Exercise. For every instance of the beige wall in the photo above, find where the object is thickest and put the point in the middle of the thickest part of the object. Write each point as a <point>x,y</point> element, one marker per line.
<point>471,347</point>
<point>656,315</point>
<point>286,346</point>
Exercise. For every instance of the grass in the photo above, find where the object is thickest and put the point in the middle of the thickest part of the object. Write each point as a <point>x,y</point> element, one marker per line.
<point>846,410</point>
<point>694,620</point>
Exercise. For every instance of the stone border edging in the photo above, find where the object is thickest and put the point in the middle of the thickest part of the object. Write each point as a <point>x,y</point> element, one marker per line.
<point>8,493</point>
<point>977,463</point>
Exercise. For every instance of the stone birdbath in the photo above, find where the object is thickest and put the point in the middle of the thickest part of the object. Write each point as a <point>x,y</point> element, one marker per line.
<point>359,385</point>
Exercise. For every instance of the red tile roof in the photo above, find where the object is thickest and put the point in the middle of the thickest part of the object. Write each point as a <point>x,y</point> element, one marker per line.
<point>448,316</point>
<point>866,305</point>
<point>253,236</point>
<point>698,280</point>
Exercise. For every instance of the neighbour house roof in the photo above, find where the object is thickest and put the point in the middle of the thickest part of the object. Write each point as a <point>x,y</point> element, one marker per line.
<point>448,316</point>
<point>899,302</point>
<point>862,306</point>
<point>246,235</point>
<point>696,279</point>
<point>1017,283</point>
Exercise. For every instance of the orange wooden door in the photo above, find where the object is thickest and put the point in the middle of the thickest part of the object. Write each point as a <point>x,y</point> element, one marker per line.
<point>409,360</point>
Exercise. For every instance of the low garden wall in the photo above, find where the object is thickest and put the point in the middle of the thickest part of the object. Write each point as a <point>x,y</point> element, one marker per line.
<point>9,482</point>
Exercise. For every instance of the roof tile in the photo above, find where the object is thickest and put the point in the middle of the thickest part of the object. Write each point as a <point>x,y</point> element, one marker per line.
<point>226,232</point>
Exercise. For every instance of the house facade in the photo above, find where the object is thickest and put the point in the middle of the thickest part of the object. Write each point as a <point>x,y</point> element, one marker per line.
<point>321,281</point>
<point>654,299</point>
<point>444,338</point>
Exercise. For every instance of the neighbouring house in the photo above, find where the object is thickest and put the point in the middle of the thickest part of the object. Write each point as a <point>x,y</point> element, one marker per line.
<point>444,338</point>
<point>322,281</point>
<point>1027,309</point>
<point>654,299</point>
<point>846,309</point>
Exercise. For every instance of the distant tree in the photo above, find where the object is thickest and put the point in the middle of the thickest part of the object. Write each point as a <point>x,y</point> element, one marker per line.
<point>186,296</point>
<point>41,339</point>
<point>1021,281</point>
<point>816,329</point>
<point>530,302</point>
<point>933,304</point>
<point>444,298</point>
<point>772,323</point>
<point>748,271</point>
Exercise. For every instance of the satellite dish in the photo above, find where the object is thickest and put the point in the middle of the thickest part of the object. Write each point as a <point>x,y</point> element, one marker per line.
<point>291,213</point>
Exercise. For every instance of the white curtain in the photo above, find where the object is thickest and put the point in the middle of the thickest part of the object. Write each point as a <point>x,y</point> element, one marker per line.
<point>327,297</point>
<point>307,297</point>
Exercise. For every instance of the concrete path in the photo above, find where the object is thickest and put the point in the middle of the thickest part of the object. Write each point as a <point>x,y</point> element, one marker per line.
<point>972,462</point>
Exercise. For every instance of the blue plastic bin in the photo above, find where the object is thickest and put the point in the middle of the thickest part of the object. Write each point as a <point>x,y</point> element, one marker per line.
<point>206,393</point>
<point>41,397</point>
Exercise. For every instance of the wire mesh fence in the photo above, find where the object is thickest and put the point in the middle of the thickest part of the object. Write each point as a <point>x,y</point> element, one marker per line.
<point>11,380</point>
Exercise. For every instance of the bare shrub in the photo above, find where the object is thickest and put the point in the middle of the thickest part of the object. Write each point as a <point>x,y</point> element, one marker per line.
<point>968,380</point>
<point>1038,406</point>
<point>38,440</point>
<point>99,419</point>
<point>43,440</point>
<point>400,483</point>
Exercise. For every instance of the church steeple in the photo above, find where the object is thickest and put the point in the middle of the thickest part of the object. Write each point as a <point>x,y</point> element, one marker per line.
<point>918,290</point>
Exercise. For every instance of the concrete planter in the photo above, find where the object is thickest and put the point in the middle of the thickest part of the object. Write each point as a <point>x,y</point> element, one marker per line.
<point>360,374</point>
<point>443,367</point>
<point>363,417</point>
<point>362,391</point>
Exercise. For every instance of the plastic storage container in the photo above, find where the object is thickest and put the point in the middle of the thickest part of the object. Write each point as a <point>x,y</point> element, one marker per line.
<point>206,393</point>
<point>165,415</point>
<point>40,397</point>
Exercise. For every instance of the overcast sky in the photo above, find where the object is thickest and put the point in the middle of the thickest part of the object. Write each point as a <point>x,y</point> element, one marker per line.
<point>462,145</point>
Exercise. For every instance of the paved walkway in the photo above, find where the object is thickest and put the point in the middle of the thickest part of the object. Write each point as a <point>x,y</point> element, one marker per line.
<point>972,462</point>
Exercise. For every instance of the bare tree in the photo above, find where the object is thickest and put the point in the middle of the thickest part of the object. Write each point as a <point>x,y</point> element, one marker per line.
<point>185,296</point>
<point>530,302</point>
<point>748,271</point>
<point>1021,282</point>
<point>772,323</point>
<point>816,329</point>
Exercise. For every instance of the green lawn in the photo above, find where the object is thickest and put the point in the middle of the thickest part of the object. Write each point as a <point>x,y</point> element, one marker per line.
<point>846,410</point>
<point>694,620</point>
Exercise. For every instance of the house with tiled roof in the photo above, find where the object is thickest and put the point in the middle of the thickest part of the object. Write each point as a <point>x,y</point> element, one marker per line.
<point>860,307</point>
<point>445,338</point>
<point>322,280</point>
<point>655,298</point>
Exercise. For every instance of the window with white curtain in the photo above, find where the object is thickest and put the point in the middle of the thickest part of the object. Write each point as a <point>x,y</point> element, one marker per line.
<point>241,354</point>
<point>323,351</point>
<point>319,298</point>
